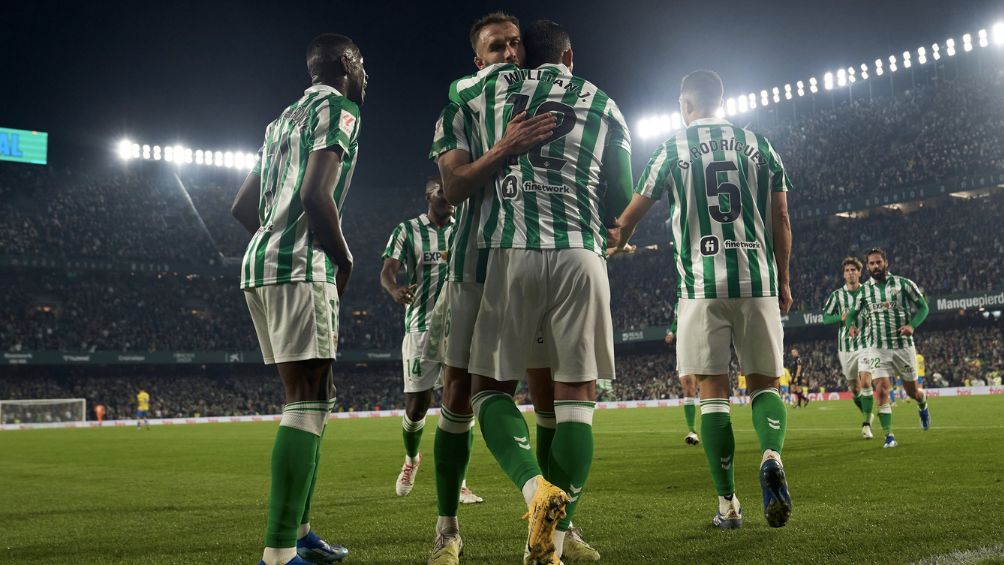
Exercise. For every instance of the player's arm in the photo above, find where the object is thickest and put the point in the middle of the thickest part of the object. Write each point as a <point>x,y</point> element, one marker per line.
<point>401,293</point>
<point>831,311</point>
<point>781,232</point>
<point>462,177</point>
<point>615,168</point>
<point>780,184</point>
<point>245,206</point>
<point>322,213</point>
<point>923,309</point>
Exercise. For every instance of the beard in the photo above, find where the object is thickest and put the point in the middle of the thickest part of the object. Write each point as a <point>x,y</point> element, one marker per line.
<point>878,274</point>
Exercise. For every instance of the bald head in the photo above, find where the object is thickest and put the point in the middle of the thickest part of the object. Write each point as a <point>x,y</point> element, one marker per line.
<point>703,91</point>
<point>324,55</point>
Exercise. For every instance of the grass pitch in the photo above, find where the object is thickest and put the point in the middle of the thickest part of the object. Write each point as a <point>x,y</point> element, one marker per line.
<point>197,494</point>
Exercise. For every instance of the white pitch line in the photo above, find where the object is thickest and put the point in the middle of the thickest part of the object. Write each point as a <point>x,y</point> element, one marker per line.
<point>797,430</point>
<point>977,555</point>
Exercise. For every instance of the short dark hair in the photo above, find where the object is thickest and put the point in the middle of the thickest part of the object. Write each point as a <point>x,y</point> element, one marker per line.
<point>544,41</point>
<point>876,251</point>
<point>487,20</point>
<point>325,51</point>
<point>705,86</point>
<point>852,261</point>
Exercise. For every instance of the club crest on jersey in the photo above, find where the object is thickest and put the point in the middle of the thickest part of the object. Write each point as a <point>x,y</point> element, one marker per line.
<point>710,245</point>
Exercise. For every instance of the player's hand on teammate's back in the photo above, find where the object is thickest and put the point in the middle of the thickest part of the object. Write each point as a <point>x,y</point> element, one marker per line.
<point>906,330</point>
<point>669,338</point>
<point>523,134</point>
<point>853,331</point>
<point>784,299</point>
<point>404,294</point>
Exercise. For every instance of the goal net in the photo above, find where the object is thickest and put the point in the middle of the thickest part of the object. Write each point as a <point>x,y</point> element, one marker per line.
<point>43,411</point>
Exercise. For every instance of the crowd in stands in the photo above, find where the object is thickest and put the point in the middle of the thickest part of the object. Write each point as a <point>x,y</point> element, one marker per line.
<point>940,247</point>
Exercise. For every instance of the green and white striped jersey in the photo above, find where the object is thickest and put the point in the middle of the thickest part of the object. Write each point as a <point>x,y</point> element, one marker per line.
<point>839,302</point>
<point>423,249</point>
<point>283,249</point>
<point>886,307</point>
<point>455,129</point>
<point>719,179</point>
<point>552,196</point>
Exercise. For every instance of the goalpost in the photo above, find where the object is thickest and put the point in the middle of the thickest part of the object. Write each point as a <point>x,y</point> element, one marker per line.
<point>43,410</point>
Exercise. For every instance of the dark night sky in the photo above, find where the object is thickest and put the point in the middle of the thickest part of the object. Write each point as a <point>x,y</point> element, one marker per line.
<point>214,74</point>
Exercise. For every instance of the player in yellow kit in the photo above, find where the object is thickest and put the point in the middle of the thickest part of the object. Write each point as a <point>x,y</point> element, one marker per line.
<point>741,389</point>
<point>142,409</point>
<point>784,381</point>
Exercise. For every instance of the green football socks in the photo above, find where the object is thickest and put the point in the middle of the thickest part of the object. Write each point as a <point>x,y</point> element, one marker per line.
<point>506,435</point>
<point>412,432</point>
<point>571,452</point>
<point>690,412</point>
<point>454,438</point>
<point>770,418</point>
<point>294,460</point>
<point>719,443</point>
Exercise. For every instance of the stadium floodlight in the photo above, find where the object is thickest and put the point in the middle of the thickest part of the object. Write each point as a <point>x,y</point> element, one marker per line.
<point>998,33</point>
<point>188,155</point>
<point>720,113</point>
<point>218,158</point>
<point>983,38</point>
<point>907,59</point>
<point>156,153</point>
<point>777,94</point>
<point>124,149</point>
<point>135,151</point>
<point>764,101</point>
<point>198,156</point>
<point>950,47</point>
<point>801,88</point>
<point>787,92</point>
<point>967,43</point>
<point>935,51</point>
<point>752,100</point>
<point>921,55</point>
<point>730,106</point>
<point>851,78</point>
<point>828,81</point>
<point>228,159</point>
<point>841,77</point>
<point>892,64</point>
<point>743,104</point>
<point>864,71</point>
<point>812,85</point>
<point>169,153</point>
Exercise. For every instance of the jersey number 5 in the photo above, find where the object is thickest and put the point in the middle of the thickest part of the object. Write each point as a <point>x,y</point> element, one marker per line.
<point>566,123</point>
<point>722,214</point>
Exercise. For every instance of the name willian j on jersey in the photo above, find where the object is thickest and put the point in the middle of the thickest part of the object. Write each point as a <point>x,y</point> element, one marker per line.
<point>545,76</point>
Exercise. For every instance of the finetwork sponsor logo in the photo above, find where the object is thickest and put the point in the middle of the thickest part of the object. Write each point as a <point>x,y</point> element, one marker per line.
<point>709,245</point>
<point>980,301</point>
<point>730,244</point>
<point>530,186</point>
